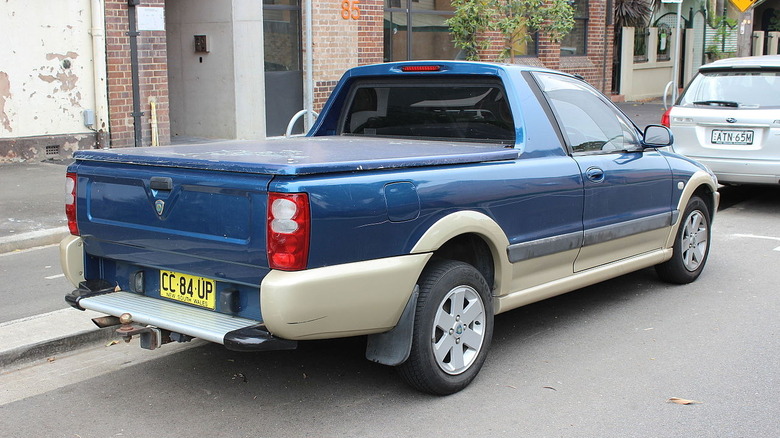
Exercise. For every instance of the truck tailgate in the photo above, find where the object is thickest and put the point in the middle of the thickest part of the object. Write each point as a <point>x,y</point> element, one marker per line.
<point>205,223</point>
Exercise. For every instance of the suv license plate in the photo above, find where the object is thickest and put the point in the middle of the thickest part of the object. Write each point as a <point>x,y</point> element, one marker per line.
<point>721,136</point>
<point>189,289</point>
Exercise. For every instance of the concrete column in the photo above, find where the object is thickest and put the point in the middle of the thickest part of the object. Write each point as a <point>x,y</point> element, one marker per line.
<point>774,40</point>
<point>248,56</point>
<point>652,45</point>
<point>627,61</point>
<point>758,43</point>
<point>688,57</point>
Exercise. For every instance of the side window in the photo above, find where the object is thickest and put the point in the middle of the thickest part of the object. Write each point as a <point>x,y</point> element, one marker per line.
<point>589,124</point>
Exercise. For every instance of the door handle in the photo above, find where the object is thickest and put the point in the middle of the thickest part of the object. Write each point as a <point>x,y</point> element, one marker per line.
<point>595,174</point>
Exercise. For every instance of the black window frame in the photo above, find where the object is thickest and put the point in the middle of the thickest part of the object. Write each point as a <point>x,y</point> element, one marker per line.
<point>407,8</point>
<point>582,19</point>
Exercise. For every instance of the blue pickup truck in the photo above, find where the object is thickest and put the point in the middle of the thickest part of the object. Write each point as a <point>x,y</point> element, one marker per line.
<point>428,197</point>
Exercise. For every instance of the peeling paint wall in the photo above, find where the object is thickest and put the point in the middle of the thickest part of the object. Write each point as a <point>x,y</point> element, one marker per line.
<point>46,76</point>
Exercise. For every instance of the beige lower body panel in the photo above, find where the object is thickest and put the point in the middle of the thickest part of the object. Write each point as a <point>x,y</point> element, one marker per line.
<point>540,270</point>
<point>337,301</point>
<point>619,249</point>
<point>72,259</point>
<point>581,279</point>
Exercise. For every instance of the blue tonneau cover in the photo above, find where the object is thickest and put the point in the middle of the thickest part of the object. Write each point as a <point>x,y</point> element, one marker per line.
<point>306,155</point>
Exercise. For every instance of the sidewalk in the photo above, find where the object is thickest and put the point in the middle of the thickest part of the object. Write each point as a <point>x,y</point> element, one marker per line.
<point>32,214</point>
<point>643,113</point>
<point>32,205</point>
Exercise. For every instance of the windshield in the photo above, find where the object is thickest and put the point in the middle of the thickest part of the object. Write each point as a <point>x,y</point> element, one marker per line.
<point>745,89</point>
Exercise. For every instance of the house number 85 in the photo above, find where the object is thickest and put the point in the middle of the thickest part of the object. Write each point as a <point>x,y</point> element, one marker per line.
<point>350,9</point>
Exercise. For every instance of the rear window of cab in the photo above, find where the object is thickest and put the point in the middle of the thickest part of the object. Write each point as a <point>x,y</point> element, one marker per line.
<point>459,109</point>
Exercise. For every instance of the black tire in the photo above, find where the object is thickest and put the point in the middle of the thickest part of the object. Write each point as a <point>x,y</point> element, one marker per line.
<point>446,287</point>
<point>691,246</point>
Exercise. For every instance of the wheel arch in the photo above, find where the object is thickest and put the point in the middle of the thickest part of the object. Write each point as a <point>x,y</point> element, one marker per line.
<point>473,238</point>
<point>700,184</point>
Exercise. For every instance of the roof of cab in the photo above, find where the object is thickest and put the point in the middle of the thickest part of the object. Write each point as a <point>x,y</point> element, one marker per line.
<point>439,67</point>
<point>757,62</point>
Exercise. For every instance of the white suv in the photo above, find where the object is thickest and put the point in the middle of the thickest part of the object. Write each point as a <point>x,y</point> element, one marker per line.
<point>728,118</point>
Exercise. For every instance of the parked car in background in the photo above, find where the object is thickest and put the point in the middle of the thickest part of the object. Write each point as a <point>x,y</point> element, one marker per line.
<point>728,118</point>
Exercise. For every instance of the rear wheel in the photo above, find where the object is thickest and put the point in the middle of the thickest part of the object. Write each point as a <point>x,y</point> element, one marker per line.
<point>453,327</point>
<point>691,246</point>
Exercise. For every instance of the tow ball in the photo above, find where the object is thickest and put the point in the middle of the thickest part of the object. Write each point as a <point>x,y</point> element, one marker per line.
<point>151,337</point>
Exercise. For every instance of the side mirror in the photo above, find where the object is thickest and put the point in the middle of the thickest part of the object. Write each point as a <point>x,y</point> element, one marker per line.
<point>657,136</point>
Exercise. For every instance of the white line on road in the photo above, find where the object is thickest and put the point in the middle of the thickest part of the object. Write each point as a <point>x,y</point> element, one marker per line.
<point>753,236</point>
<point>52,277</point>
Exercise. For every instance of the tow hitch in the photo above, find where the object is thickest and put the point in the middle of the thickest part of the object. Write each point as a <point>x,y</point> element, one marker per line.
<point>150,337</point>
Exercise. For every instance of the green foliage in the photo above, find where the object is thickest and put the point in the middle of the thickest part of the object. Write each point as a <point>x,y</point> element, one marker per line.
<point>724,27</point>
<point>774,22</point>
<point>632,13</point>
<point>520,19</point>
<point>517,20</point>
<point>471,18</point>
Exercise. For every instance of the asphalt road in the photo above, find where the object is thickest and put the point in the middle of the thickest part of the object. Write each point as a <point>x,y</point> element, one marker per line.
<point>31,283</point>
<point>598,362</point>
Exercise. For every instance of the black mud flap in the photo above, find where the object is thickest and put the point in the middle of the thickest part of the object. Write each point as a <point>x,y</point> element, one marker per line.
<point>393,347</point>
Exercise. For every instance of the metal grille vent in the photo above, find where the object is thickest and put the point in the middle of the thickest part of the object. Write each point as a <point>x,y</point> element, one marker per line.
<point>53,150</point>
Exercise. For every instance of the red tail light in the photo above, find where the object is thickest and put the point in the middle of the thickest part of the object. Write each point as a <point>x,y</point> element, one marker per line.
<point>71,184</point>
<point>665,119</point>
<point>287,231</point>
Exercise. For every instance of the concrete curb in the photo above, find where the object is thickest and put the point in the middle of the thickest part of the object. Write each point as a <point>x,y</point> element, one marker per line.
<point>40,336</point>
<point>32,239</point>
<point>45,349</point>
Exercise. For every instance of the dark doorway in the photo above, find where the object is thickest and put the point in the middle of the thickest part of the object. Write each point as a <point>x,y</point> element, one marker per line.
<point>283,71</point>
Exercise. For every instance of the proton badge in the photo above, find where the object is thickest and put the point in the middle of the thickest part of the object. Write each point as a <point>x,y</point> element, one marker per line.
<point>731,120</point>
<point>159,206</point>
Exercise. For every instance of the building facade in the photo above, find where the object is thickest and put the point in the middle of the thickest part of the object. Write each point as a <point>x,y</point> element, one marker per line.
<point>120,73</point>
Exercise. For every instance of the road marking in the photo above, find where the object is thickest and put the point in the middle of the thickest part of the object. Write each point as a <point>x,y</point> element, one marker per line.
<point>52,277</point>
<point>753,236</point>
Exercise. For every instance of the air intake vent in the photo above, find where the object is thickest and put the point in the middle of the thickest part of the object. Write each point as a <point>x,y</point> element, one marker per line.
<point>52,150</point>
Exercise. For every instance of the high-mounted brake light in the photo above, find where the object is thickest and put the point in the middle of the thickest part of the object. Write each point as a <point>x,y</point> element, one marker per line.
<point>287,231</point>
<point>410,68</point>
<point>666,118</point>
<point>71,184</point>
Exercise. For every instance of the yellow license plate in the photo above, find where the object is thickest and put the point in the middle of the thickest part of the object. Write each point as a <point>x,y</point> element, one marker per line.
<point>189,289</point>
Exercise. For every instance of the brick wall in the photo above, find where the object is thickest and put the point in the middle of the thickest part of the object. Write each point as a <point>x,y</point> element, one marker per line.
<point>341,43</point>
<point>591,66</point>
<point>153,77</point>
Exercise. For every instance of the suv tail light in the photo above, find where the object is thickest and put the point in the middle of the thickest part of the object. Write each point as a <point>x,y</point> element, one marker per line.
<point>71,184</point>
<point>666,119</point>
<point>287,231</point>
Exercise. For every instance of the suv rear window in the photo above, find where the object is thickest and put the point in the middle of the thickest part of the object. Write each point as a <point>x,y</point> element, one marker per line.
<point>744,89</point>
<point>460,109</point>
